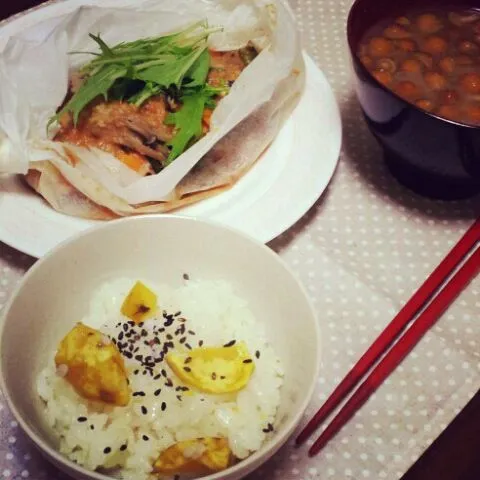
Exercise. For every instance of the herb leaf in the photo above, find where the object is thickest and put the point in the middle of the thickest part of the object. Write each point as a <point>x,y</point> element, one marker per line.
<point>98,84</point>
<point>171,73</point>
<point>103,46</point>
<point>188,122</point>
<point>198,72</point>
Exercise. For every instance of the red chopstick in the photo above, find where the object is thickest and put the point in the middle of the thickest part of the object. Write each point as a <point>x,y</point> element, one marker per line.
<point>401,349</point>
<point>392,331</point>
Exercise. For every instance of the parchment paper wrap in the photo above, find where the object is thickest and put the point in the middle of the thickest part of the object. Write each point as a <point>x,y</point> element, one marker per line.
<point>34,72</point>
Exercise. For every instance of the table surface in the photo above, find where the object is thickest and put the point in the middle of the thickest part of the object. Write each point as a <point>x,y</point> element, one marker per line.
<point>361,252</point>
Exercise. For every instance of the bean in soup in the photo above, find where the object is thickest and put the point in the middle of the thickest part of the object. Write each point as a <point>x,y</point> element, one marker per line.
<point>430,58</point>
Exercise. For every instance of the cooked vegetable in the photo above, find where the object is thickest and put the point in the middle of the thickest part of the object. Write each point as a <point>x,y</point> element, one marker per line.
<point>140,303</point>
<point>198,457</point>
<point>176,65</point>
<point>214,369</point>
<point>94,366</point>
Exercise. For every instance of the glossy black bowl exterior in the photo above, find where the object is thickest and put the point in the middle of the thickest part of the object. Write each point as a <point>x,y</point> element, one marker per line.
<point>432,156</point>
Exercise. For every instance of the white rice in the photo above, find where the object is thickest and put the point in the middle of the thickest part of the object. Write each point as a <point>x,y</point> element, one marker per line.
<point>217,316</point>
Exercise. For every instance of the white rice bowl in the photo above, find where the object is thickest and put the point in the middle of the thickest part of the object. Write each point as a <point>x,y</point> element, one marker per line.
<point>132,439</point>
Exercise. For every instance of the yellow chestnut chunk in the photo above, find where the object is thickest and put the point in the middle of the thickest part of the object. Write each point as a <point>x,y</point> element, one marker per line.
<point>95,367</point>
<point>140,303</point>
<point>214,369</point>
<point>198,457</point>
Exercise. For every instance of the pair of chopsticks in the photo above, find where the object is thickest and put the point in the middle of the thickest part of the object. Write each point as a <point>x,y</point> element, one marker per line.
<point>429,302</point>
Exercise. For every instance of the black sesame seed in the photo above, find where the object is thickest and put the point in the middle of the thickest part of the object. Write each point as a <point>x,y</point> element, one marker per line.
<point>268,429</point>
<point>163,406</point>
<point>248,360</point>
<point>135,372</point>
<point>257,354</point>
<point>145,437</point>
<point>144,409</point>
<point>107,450</point>
<point>157,376</point>
<point>131,323</point>
<point>169,337</point>
<point>120,336</point>
<point>200,343</point>
<point>128,354</point>
<point>214,376</point>
<point>114,341</point>
<point>185,276</point>
<point>139,357</point>
<point>125,327</point>
<point>144,332</point>
<point>161,330</point>
<point>92,427</point>
<point>188,360</point>
<point>141,324</point>
<point>183,340</point>
<point>157,392</point>
<point>164,372</point>
<point>187,369</point>
<point>191,332</point>
<point>222,377</point>
<point>81,419</point>
<point>188,346</point>
<point>123,447</point>
<point>230,344</point>
<point>138,394</point>
<point>169,383</point>
<point>179,398</point>
<point>144,372</point>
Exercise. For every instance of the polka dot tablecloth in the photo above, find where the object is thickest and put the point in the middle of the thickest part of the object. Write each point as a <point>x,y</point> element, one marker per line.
<point>361,252</point>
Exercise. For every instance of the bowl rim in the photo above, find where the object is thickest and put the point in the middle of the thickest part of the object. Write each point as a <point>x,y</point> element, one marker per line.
<point>249,464</point>
<point>356,60</point>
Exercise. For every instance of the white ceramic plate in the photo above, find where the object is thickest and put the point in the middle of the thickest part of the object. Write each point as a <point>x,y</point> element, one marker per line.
<point>276,192</point>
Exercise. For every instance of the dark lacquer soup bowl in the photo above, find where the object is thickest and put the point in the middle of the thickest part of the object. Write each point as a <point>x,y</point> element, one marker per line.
<point>433,154</point>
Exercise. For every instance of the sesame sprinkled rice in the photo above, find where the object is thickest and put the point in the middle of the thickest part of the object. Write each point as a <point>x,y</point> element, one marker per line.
<point>163,409</point>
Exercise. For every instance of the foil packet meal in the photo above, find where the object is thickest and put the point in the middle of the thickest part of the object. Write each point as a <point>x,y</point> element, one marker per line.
<point>36,68</point>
